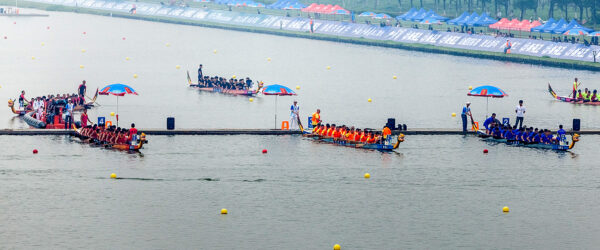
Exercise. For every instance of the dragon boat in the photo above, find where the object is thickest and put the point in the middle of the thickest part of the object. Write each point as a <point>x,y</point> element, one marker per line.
<point>135,145</point>
<point>558,147</point>
<point>570,99</point>
<point>352,144</point>
<point>242,92</point>
<point>81,107</point>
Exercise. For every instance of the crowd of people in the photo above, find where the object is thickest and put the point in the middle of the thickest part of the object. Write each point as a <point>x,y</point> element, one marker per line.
<point>109,135</point>
<point>526,135</point>
<point>349,134</point>
<point>222,82</point>
<point>47,107</point>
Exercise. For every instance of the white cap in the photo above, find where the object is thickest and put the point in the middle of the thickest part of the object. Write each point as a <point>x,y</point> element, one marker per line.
<point>468,102</point>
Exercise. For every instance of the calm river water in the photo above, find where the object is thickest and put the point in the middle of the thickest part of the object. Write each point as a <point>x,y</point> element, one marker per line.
<point>301,195</point>
<point>435,192</point>
<point>429,86</point>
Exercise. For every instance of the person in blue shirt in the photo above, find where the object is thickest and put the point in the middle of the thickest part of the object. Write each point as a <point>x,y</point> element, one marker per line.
<point>496,132</point>
<point>490,121</point>
<point>466,111</point>
<point>561,133</point>
<point>538,137</point>
<point>508,134</point>
<point>532,134</point>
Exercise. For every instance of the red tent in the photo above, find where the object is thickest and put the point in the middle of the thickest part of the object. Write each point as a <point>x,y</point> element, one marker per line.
<point>498,24</point>
<point>510,25</point>
<point>327,9</point>
<point>533,25</point>
<point>523,26</point>
<point>310,8</point>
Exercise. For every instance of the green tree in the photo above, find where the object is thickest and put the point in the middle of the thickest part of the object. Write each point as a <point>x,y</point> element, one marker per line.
<point>524,5</point>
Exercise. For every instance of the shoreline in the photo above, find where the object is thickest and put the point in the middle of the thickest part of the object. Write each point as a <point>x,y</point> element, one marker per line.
<point>498,56</point>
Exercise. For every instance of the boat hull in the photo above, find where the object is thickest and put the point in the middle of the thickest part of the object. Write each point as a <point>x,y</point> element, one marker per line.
<point>380,147</point>
<point>241,92</point>
<point>123,147</point>
<point>569,99</point>
<point>556,147</point>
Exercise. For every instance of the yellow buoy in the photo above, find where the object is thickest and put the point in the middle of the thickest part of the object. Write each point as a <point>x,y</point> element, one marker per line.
<point>215,51</point>
<point>82,50</point>
<point>223,211</point>
<point>505,209</point>
<point>328,67</point>
<point>134,75</point>
<point>177,67</point>
<point>369,100</point>
<point>367,176</point>
<point>81,66</point>
<point>234,76</point>
<point>112,113</point>
<point>168,44</point>
<point>113,176</point>
<point>395,77</point>
<point>453,114</point>
<point>33,58</point>
<point>268,59</point>
<point>251,99</point>
<point>337,247</point>
<point>470,87</point>
<point>127,58</point>
<point>298,87</point>
<point>42,44</point>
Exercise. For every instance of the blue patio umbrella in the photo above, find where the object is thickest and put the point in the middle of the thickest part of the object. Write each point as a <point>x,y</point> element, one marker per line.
<point>596,33</point>
<point>277,90</point>
<point>117,89</point>
<point>382,16</point>
<point>487,91</point>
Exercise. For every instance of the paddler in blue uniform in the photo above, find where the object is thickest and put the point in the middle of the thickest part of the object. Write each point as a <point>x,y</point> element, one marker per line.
<point>489,121</point>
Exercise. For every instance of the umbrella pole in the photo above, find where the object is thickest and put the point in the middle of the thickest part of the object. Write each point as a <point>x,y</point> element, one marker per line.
<point>117,111</point>
<point>275,111</point>
<point>487,103</point>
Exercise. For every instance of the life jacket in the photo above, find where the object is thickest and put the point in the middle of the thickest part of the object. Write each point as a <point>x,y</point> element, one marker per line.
<point>575,86</point>
<point>386,132</point>
<point>371,139</point>
<point>363,138</point>
<point>316,118</point>
<point>329,132</point>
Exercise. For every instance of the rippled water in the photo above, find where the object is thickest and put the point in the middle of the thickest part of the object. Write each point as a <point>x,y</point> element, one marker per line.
<point>301,195</point>
<point>429,86</point>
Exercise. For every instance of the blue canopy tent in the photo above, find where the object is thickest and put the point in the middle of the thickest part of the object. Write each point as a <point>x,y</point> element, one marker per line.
<point>459,18</point>
<point>409,12</point>
<point>553,26</point>
<point>296,6</point>
<point>422,16</point>
<point>280,4</point>
<point>545,25</point>
<point>560,27</point>
<point>467,19</point>
<point>483,20</point>
<point>409,17</point>
<point>572,26</point>
<point>436,16</point>
<point>368,13</point>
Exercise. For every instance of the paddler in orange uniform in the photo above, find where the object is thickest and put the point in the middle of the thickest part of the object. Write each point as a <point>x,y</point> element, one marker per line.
<point>331,130</point>
<point>324,130</point>
<point>316,118</point>
<point>386,132</point>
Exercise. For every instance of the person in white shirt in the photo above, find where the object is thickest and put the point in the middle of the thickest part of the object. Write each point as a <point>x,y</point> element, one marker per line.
<point>69,114</point>
<point>295,113</point>
<point>38,107</point>
<point>520,110</point>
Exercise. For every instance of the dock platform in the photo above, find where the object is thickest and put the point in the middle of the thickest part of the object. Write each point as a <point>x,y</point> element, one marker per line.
<point>416,131</point>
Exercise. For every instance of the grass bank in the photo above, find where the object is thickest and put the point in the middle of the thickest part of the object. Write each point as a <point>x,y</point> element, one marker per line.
<point>544,61</point>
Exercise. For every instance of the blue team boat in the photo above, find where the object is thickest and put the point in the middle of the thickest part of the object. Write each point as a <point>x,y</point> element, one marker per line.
<point>558,147</point>
<point>374,146</point>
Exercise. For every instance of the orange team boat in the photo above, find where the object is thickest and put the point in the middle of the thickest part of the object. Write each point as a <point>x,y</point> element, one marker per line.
<point>243,92</point>
<point>133,146</point>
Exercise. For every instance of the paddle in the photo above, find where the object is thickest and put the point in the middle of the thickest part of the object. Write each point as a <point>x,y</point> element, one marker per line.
<point>300,124</point>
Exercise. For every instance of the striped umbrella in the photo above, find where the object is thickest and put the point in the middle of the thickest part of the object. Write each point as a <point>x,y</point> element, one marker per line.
<point>487,91</point>
<point>277,90</point>
<point>575,32</point>
<point>117,89</point>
